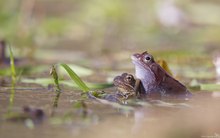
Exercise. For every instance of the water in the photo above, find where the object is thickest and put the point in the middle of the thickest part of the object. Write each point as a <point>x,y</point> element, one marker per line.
<point>192,118</point>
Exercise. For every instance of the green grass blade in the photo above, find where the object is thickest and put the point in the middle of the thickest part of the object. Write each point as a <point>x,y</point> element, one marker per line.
<point>75,78</point>
<point>53,72</point>
<point>13,77</point>
<point>12,63</point>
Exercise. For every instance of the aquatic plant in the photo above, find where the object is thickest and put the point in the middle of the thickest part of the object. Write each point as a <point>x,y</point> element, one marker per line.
<point>56,82</point>
<point>75,78</point>
<point>13,82</point>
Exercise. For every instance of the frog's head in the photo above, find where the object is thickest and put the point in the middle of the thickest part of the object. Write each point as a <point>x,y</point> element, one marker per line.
<point>145,59</point>
<point>125,83</point>
<point>143,64</point>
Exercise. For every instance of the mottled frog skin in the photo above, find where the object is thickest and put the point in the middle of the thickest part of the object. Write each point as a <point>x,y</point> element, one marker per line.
<point>128,86</point>
<point>125,84</point>
<point>155,79</point>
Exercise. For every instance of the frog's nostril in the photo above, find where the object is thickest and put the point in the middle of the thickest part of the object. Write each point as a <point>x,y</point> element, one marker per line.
<point>136,56</point>
<point>116,78</point>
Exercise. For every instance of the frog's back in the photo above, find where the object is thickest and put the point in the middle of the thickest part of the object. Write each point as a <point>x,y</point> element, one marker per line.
<point>171,87</point>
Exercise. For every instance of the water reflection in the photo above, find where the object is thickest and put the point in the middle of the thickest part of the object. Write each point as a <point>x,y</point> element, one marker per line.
<point>201,119</point>
<point>196,117</point>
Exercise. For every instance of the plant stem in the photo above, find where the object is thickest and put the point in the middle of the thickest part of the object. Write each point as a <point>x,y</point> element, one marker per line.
<point>13,82</point>
<point>53,72</point>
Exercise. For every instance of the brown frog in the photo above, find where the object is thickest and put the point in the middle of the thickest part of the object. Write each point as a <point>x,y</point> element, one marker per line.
<point>128,86</point>
<point>155,79</point>
<point>125,83</point>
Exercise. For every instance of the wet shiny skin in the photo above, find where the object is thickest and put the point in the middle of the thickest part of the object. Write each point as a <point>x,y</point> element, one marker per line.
<point>155,79</point>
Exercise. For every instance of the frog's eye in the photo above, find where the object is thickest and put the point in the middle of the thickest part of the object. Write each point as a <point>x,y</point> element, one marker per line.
<point>147,58</point>
<point>129,77</point>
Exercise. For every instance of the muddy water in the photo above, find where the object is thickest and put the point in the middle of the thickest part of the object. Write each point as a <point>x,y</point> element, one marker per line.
<point>198,117</point>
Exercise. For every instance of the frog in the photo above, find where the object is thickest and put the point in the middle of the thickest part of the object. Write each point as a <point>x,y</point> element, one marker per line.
<point>131,87</point>
<point>125,85</point>
<point>155,79</point>
<point>128,86</point>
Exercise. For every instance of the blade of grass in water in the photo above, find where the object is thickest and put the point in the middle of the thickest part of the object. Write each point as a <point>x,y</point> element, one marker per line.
<point>13,72</point>
<point>75,78</point>
<point>58,90</point>
<point>55,78</point>
<point>13,77</point>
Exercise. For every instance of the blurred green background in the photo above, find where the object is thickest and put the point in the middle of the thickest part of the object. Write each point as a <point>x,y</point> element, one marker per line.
<point>99,26</point>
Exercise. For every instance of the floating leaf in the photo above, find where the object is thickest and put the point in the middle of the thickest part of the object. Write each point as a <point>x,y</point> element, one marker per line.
<point>90,85</point>
<point>46,81</point>
<point>210,87</point>
<point>194,84</point>
<point>42,81</point>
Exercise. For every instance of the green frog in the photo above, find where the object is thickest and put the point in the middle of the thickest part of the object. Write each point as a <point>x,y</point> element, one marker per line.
<point>155,79</point>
